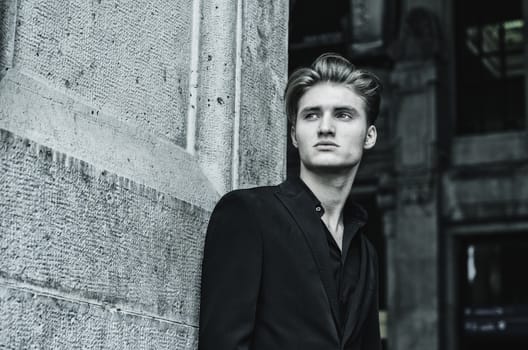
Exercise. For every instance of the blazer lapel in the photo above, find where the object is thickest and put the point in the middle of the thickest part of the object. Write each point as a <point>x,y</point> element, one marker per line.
<point>310,224</point>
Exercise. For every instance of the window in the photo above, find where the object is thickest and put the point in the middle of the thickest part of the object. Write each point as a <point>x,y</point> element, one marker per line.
<point>493,292</point>
<point>490,66</point>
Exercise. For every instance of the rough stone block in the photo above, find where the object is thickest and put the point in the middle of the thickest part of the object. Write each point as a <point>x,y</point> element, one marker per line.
<point>263,78</point>
<point>82,231</point>
<point>129,57</point>
<point>240,138</point>
<point>7,34</point>
<point>31,109</point>
<point>33,321</point>
<point>215,109</point>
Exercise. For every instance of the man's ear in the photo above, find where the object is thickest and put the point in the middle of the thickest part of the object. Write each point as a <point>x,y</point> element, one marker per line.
<point>293,136</point>
<point>370,137</point>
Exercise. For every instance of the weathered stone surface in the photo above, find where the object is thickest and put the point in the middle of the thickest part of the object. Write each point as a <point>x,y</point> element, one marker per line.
<point>68,226</point>
<point>30,109</point>
<point>240,138</point>
<point>217,91</point>
<point>120,126</point>
<point>7,34</point>
<point>130,59</point>
<point>262,130</point>
<point>32,321</point>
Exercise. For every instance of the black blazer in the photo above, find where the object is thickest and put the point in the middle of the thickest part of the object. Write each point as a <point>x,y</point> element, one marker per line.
<point>266,283</point>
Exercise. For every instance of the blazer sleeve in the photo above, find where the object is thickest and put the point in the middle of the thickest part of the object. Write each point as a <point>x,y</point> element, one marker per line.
<point>231,270</point>
<point>371,339</point>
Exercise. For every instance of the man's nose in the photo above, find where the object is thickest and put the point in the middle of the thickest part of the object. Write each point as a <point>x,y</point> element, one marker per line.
<point>326,125</point>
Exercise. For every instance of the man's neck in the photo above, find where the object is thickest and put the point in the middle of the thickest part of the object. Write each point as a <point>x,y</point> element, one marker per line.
<point>332,190</point>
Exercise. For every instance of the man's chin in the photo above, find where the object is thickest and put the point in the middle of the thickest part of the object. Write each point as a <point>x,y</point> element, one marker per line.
<point>331,167</point>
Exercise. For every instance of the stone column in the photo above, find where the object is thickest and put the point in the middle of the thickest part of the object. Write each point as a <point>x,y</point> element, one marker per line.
<point>412,246</point>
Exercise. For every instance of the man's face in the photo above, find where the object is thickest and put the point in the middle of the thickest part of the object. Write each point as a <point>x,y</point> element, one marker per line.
<point>331,128</point>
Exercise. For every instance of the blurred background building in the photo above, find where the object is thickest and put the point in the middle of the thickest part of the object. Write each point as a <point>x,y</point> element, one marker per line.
<point>446,186</point>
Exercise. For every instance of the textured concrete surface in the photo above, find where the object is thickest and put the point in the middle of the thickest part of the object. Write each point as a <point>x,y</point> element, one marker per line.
<point>217,91</point>
<point>79,230</point>
<point>262,135</point>
<point>34,321</point>
<point>240,139</point>
<point>130,59</point>
<point>121,124</point>
<point>8,10</point>
<point>48,116</point>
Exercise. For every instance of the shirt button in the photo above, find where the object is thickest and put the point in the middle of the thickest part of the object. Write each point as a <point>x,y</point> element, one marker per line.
<point>318,208</point>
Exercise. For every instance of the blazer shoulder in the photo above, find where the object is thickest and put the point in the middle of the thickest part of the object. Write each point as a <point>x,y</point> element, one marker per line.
<point>240,210</point>
<point>248,197</point>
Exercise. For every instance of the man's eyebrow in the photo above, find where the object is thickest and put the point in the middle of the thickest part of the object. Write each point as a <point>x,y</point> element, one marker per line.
<point>337,109</point>
<point>310,109</point>
<point>346,108</point>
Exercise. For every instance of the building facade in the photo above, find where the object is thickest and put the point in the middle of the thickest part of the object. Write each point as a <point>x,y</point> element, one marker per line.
<point>122,123</point>
<point>446,185</point>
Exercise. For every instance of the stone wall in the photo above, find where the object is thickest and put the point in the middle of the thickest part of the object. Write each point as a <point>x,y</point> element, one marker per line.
<point>121,124</point>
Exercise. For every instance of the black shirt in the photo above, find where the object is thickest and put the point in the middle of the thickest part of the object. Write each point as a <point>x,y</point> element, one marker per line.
<point>344,263</point>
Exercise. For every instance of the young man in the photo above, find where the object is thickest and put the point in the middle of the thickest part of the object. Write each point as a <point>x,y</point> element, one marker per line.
<point>287,267</point>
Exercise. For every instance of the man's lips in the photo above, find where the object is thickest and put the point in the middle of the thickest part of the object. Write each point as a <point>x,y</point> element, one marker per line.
<point>326,144</point>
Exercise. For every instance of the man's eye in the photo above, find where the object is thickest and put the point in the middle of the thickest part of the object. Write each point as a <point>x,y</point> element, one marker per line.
<point>343,115</point>
<point>310,116</point>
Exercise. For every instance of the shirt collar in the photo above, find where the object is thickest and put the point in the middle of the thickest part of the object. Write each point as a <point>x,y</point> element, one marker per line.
<point>296,187</point>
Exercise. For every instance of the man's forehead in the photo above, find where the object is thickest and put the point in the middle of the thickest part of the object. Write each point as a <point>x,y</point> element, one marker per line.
<point>330,95</point>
